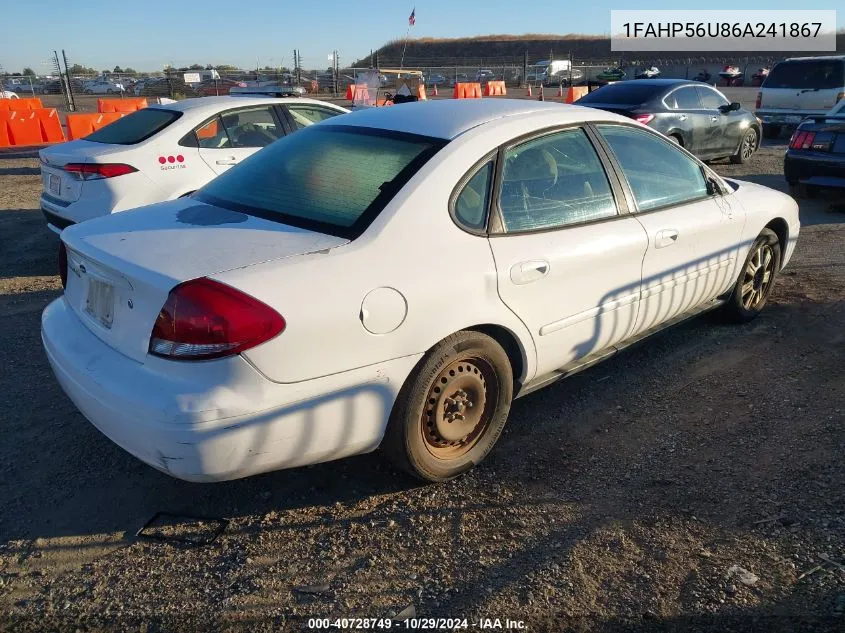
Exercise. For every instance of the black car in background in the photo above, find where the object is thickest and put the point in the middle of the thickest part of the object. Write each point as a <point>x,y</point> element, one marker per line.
<point>696,116</point>
<point>816,154</point>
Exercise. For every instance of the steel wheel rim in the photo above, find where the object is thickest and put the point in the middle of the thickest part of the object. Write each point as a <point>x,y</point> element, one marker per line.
<point>459,407</point>
<point>748,145</point>
<point>758,277</point>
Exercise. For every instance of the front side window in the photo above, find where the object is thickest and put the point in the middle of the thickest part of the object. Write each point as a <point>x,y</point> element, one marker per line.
<point>135,127</point>
<point>710,99</point>
<point>471,204</point>
<point>658,173</point>
<point>554,181</point>
<point>332,179</point>
<point>305,115</point>
<point>252,127</point>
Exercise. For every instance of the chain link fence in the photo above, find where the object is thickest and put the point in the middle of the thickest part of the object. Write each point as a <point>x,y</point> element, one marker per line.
<point>442,73</point>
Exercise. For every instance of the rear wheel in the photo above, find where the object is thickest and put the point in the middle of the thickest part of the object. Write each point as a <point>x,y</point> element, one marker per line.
<point>676,139</point>
<point>452,408</point>
<point>747,147</point>
<point>771,131</point>
<point>755,282</point>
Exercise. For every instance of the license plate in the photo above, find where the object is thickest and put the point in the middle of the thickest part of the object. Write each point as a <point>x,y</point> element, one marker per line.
<point>55,184</point>
<point>100,301</point>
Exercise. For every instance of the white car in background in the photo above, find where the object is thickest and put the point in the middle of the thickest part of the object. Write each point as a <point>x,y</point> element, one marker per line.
<point>163,152</point>
<point>395,277</point>
<point>103,88</point>
<point>8,94</point>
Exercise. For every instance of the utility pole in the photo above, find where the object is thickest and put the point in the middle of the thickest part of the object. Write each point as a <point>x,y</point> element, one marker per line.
<point>524,68</point>
<point>335,67</point>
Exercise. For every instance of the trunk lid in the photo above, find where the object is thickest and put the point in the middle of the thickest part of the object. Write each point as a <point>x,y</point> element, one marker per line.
<point>58,183</point>
<point>829,135</point>
<point>121,268</point>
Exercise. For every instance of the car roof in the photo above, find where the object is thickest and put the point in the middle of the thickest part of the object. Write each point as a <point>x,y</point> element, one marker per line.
<point>216,102</point>
<point>449,118</point>
<point>816,58</point>
<point>660,82</point>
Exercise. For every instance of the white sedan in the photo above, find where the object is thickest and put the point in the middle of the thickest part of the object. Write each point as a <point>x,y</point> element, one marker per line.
<point>163,152</point>
<point>395,278</point>
<point>8,94</point>
<point>103,88</point>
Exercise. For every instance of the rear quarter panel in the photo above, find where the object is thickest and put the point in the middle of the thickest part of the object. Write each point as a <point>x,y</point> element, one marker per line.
<point>176,170</point>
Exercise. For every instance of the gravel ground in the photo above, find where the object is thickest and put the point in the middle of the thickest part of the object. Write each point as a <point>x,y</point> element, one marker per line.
<point>694,483</point>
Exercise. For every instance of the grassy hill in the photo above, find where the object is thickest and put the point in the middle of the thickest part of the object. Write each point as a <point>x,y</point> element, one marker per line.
<point>511,49</point>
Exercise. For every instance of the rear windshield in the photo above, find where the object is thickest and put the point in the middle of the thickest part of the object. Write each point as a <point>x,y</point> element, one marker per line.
<point>135,127</point>
<point>626,92</point>
<point>332,179</point>
<point>809,74</point>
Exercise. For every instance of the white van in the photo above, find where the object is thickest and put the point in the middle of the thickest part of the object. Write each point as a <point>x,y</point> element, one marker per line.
<point>797,88</point>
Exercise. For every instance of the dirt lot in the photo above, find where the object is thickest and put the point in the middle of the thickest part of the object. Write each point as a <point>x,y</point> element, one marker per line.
<point>620,499</point>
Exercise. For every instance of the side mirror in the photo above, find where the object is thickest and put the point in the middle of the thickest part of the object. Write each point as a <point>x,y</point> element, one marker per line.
<point>712,186</point>
<point>731,107</point>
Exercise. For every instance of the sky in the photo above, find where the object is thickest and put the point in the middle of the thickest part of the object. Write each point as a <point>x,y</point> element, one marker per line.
<point>148,34</point>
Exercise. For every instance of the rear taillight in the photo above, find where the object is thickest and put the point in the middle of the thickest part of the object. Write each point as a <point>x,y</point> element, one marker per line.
<point>802,140</point>
<point>204,319</point>
<point>645,119</point>
<point>759,101</point>
<point>95,171</point>
<point>63,263</point>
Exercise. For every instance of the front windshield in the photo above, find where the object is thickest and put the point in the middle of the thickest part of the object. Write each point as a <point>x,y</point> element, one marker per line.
<point>333,179</point>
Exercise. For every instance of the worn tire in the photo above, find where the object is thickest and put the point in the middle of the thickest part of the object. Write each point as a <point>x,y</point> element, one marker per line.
<point>771,131</point>
<point>735,310</point>
<point>405,441</point>
<point>747,146</point>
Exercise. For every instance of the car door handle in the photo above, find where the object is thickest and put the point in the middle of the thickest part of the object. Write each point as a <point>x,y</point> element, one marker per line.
<point>714,118</point>
<point>526,272</point>
<point>666,237</point>
<point>231,160</point>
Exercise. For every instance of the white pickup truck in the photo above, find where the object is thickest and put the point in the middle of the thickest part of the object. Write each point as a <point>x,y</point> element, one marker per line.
<point>798,88</point>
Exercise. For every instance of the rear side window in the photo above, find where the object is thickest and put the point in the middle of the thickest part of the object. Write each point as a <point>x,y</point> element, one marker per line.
<point>626,92</point>
<point>809,74</point>
<point>554,181</point>
<point>332,179</point>
<point>212,135</point>
<point>710,99</point>
<point>471,204</point>
<point>684,99</point>
<point>253,127</point>
<point>135,127</point>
